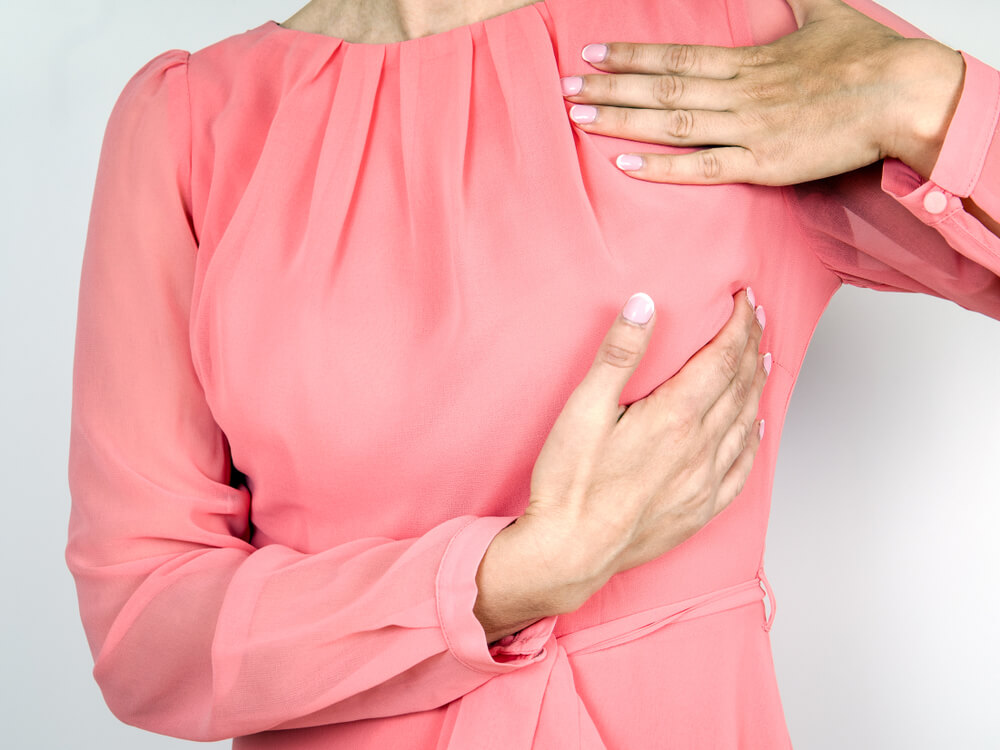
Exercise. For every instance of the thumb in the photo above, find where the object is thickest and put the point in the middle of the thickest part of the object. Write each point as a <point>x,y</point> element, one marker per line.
<point>618,356</point>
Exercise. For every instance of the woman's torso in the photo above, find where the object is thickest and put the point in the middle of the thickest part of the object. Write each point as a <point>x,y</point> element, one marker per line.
<point>407,258</point>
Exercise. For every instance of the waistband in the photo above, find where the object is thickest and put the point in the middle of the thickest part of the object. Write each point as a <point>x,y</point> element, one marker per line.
<point>538,706</point>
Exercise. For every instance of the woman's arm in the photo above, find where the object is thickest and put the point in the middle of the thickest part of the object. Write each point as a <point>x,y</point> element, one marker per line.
<point>196,633</point>
<point>887,226</point>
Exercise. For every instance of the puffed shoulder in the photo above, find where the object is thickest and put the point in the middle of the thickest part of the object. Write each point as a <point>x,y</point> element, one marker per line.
<point>165,75</point>
<point>147,140</point>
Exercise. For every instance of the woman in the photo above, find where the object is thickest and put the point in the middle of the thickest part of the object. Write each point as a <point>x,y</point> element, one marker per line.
<point>258,198</point>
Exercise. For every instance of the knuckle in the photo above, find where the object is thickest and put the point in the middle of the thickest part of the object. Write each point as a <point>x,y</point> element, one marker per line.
<point>782,148</point>
<point>631,56</point>
<point>705,497</point>
<point>627,118</point>
<point>760,123</point>
<point>667,90</point>
<point>678,57</point>
<point>698,490</point>
<point>681,418</point>
<point>680,123</point>
<point>746,427</point>
<point>618,356</point>
<point>740,484</point>
<point>740,390</point>
<point>730,360</point>
<point>710,164</point>
<point>760,91</point>
<point>755,56</point>
<point>613,86</point>
<point>744,440</point>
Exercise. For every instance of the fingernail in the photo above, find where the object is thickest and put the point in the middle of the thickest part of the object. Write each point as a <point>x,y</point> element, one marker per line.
<point>639,308</point>
<point>583,113</point>
<point>762,429</point>
<point>761,318</point>
<point>767,363</point>
<point>629,162</point>
<point>571,85</point>
<point>751,299</point>
<point>595,52</point>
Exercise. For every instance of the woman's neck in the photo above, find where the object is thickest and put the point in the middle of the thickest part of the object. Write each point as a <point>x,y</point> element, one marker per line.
<point>385,21</point>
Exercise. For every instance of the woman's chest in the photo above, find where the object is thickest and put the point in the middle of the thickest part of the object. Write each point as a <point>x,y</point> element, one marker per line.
<point>408,286</point>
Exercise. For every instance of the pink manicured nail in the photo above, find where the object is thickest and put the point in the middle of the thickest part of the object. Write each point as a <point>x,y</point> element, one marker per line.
<point>751,299</point>
<point>767,363</point>
<point>583,113</point>
<point>639,308</point>
<point>571,85</point>
<point>762,429</point>
<point>628,162</point>
<point>761,318</point>
<point>595,52</point>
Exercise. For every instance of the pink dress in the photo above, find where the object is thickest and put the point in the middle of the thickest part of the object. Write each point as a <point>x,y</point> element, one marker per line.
<point>334,296</point>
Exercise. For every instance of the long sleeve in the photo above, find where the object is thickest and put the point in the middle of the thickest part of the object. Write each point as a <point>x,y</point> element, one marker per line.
<point>196,633</point>
<point>884,226</point>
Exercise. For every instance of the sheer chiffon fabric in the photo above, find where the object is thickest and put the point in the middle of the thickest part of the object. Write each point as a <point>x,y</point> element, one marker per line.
<point>333,297</point>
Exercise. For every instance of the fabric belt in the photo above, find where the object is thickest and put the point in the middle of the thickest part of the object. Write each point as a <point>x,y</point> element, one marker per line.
<point>538,705</point>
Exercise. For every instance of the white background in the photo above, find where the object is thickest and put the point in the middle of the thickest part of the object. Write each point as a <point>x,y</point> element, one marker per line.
<point>882,545</point>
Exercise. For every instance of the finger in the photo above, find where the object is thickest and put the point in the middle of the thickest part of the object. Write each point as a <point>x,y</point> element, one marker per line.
<point>674,127</point>
<point>617,358</point>
<point>707,166</point>
<point>708,373</point>
<point>735,479</point>
<point>656,91</point>
<point>721,415</point>
<point>683,59</point>
<point>735,429</point>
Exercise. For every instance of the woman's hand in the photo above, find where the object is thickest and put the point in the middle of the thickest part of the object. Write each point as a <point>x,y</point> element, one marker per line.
<point>614,487</point>
<point>841,92</point>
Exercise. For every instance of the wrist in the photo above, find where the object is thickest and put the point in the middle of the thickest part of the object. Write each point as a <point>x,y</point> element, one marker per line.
<point>928,77</point>
<point>514,590</point>
<point>578,560</point>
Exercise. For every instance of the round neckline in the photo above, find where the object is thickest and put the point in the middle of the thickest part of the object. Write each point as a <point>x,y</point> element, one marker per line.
<point>428,39</point>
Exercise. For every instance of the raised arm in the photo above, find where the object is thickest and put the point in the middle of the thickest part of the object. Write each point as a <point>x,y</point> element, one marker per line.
<point>927,224</point>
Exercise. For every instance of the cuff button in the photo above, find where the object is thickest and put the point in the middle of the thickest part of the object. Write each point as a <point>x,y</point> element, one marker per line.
<point>935,202</point>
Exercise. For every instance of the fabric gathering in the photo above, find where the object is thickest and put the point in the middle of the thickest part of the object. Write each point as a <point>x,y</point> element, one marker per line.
<point>318,283</point>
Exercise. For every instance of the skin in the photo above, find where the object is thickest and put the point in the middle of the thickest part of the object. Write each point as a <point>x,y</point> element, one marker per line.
<point>384,21</point>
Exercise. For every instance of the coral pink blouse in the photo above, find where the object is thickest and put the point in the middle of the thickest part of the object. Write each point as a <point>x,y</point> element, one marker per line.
<point>333,297</point>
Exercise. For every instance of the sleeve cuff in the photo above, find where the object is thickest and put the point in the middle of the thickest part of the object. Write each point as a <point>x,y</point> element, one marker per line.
<point>456,593</point>
<point>972,143</point>
<point>925,199</point>
<point>969,162</point>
